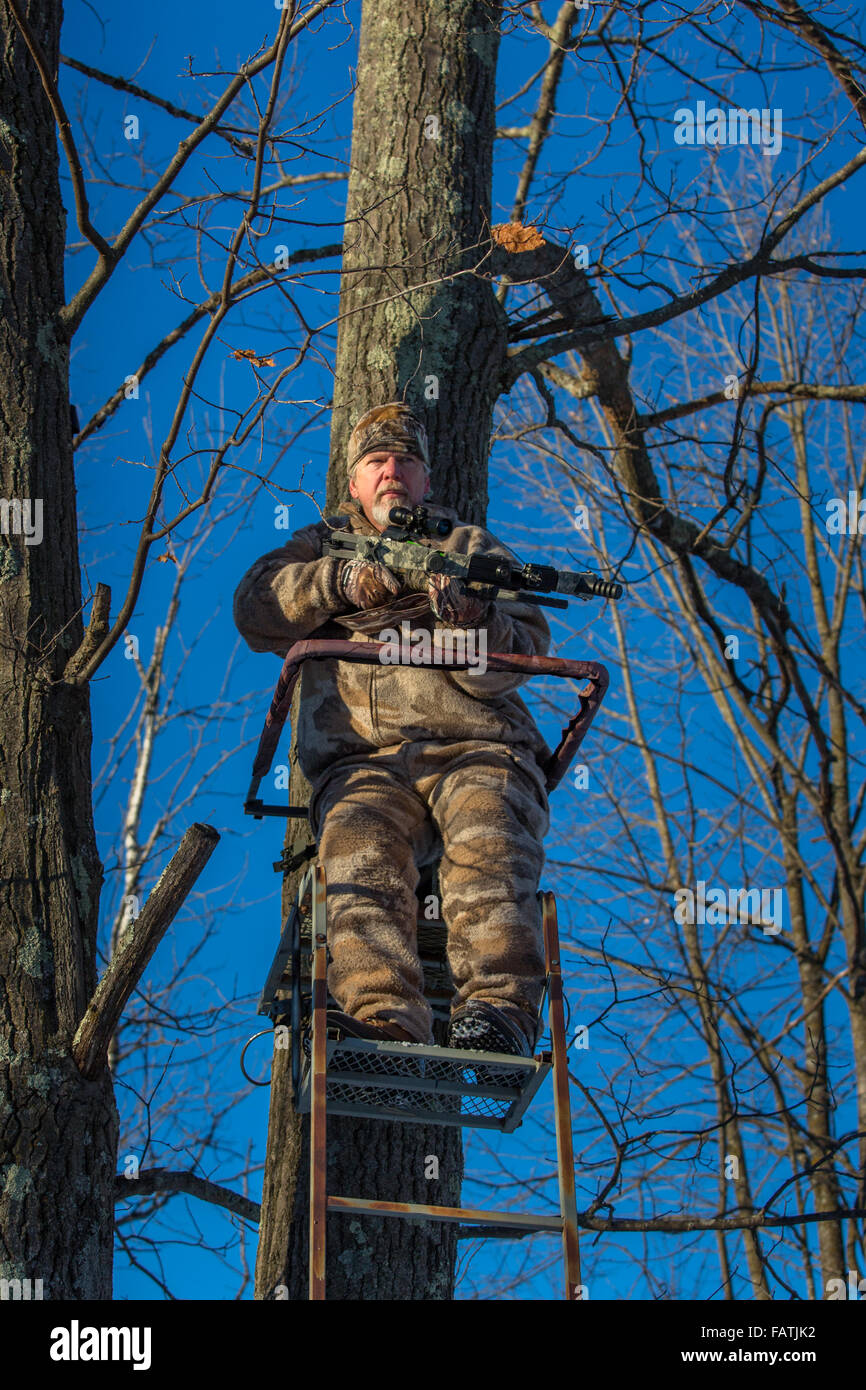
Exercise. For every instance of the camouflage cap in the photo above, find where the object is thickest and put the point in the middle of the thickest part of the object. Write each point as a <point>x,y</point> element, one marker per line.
<point>391,426</point>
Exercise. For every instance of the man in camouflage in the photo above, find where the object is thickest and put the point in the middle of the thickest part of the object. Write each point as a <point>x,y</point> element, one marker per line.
<point>407,763</point>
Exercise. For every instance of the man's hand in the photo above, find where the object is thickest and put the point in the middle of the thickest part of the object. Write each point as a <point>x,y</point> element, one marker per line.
<point>450,601</point>
<point>366,584</point>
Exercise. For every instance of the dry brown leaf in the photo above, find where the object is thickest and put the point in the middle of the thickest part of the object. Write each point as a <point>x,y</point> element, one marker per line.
<point>515,237</point>
<point>251,356</point>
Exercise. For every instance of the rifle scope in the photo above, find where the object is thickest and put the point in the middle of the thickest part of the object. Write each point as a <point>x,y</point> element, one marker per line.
<point>419,521</point>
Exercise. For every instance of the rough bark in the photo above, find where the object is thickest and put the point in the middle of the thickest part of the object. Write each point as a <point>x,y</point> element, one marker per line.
<point>416,213</point>
<point>58,1131</point>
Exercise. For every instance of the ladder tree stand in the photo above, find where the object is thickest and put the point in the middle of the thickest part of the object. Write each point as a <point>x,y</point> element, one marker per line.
<point>407,1081</point>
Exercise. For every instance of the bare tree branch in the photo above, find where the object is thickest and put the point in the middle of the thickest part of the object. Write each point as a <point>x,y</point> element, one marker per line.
<point>106,253</point>
<point>70,317</point>
<point>151,1180</point>
<point>94,635</point>
<point>90,1046</point>
<point>606,327</point>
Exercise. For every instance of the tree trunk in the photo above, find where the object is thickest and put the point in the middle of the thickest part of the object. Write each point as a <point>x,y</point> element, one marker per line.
<point>58,1133</point>
<point>418,199</point>
<point>417,211</point>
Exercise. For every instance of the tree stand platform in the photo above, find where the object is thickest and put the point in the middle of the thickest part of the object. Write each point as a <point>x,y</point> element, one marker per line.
<point>407,1081</point>
<point>412,1082</point>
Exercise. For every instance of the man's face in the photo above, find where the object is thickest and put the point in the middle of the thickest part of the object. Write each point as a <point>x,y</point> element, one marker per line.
<point>384,479</point>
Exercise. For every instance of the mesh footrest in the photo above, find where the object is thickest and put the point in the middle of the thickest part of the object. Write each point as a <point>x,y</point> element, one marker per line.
<point>425,1084</point>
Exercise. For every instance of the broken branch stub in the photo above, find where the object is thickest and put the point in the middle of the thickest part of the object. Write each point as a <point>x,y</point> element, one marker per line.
<point>124,970</point>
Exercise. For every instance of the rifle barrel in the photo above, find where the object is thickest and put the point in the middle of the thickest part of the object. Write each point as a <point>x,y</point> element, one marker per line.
<point>589,585</point>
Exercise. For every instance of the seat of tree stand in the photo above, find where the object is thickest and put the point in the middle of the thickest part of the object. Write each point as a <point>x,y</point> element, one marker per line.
<point>409,1082</point>
<point>390,1080</point>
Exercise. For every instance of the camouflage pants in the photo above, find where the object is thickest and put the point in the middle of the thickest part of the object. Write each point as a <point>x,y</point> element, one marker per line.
<point>377,818</point>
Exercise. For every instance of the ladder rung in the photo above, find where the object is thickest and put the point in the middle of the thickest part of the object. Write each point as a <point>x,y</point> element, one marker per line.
<point>414,1211</point>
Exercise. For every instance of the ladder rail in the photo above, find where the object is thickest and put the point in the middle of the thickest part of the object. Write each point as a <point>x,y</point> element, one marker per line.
<point>513,1224</point>
<point>562,1102</point>
<point>318,1108</point>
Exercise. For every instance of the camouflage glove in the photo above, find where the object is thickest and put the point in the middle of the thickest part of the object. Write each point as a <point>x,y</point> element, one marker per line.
<point>367,585</point>
<point>450,601</point>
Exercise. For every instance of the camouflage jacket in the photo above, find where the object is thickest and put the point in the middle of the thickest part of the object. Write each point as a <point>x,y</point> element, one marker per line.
<point>292,593</point>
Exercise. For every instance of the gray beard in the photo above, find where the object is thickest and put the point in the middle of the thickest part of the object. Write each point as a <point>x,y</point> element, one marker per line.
<point>382,507</point>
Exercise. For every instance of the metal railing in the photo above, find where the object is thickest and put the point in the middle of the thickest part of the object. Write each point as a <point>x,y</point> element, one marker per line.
<point>367,653</point>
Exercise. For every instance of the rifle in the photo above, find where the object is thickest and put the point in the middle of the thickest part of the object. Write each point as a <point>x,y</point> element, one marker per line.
<point>406,546</point>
